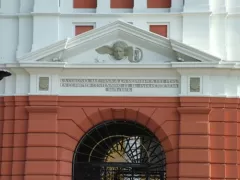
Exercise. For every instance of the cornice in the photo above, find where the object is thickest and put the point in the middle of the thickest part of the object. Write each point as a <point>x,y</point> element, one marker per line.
<point>43,52</point>
<point>191,13</point>
<point>194,110</point>
<point>42,109</point>
<point>193,52</point>
<point>143,14</point>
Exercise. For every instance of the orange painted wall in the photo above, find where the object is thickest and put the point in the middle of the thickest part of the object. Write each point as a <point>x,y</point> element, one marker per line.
<point>158,3</point>
<point>122,4</point>
<point>85,4</point>
<point>82,29</point>
<point>38,134</point>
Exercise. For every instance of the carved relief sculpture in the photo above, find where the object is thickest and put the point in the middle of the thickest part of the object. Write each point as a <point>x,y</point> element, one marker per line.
<point>194,84</point>
<point>43,83</point>
<point>120,50</point>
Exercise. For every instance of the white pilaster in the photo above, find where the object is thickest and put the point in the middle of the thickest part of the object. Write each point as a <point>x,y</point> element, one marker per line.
<point>177,6</point>
<point>139,6</point>
<point>10,6</point>
<point>217,35</point>
<point>25,35</point>
<point>103,7</point>
<point>218,6</point>
<point>46,6</point>
<point>197,6</point>
<point>55,84</point>
<point>49,24</point>
<point>10,85</point>
<point>26,6</point>
<point>233,6</point>
<point>22,81</point>
<point>233,37</point>
<point>33,84</point>
<point>196,30</point>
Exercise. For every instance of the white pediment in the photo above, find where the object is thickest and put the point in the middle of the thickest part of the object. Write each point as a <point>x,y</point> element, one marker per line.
<point>140,46</point>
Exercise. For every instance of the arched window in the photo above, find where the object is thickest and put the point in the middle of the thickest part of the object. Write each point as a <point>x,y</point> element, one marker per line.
<point>158,3</point>
<point>119,150</point>
<point>91,4</point>
<point>128,4</point>
<point>159,29</point>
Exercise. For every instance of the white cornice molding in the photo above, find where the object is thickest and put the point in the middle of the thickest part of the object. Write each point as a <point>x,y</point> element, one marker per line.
<point>193,52</point>
<point>192,13</point>
<point>118,26</point>
<point>41,53</point>
<point>144,14</point>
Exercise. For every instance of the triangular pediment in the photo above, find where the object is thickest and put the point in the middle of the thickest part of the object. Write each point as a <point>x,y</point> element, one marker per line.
<point>117,42</point>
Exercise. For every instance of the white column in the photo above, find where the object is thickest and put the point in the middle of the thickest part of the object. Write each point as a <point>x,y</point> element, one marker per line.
<point>33,84</point>
<point>10,85</point>
<point>25,39</point>
<point>48,23</point>
<point>197,5</point>
<point>196,30</point>
<point>233,6</point>
<point>177,6</point>
<point>218,6</point>
<point>46,6</point>
<point>22,81</point>
<point>26,6</point>
<point>139,6</point>
<point>103,6</point>
<point>233,37</point>
<point>10,6</point>
<point>218,35</point>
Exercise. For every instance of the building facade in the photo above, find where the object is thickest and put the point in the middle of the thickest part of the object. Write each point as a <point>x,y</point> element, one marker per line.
<point>109,89</point>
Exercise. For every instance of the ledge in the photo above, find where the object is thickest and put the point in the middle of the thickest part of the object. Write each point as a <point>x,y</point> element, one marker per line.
<point>42,109</point>
<point>194,110</point>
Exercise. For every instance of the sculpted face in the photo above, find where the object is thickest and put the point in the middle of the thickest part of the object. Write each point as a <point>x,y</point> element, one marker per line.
<point>118,53</point>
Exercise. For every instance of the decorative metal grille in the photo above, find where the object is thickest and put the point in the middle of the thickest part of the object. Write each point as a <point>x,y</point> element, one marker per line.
<point>119,150</point>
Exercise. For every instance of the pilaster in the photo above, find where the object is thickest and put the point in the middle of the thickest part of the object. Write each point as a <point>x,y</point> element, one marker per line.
<point>140,6</point>
<point>177,6</point>
<point>194,155</point>
<point>42,138</point>
<point>103,7</point>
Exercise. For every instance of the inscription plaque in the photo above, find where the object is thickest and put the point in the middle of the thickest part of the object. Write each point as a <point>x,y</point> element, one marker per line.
<point>119,85</point>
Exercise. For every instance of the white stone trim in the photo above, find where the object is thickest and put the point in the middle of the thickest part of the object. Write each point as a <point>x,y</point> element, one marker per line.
<point>49,87</point>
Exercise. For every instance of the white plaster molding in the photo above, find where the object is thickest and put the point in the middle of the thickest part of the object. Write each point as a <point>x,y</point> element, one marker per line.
<point>117,27</point>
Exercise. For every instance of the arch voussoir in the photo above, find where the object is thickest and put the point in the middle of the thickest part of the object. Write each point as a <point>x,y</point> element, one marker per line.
<point>131,113</point>
<point>106,113</point>
<point>118,112</point>
<point>144,115</point>
<point>93,115</point>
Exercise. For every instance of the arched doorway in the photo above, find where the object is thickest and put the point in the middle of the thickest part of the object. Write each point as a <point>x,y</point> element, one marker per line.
<point>119,150</point>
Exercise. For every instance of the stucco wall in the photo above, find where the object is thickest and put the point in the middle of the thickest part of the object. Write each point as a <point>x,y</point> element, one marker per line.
<point>200,136</point>
<point>211,26</point>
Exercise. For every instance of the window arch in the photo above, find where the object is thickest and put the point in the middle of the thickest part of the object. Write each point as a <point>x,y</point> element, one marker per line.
<point>91,4</point>
<point>119,149</point>
<point>159,3</point>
